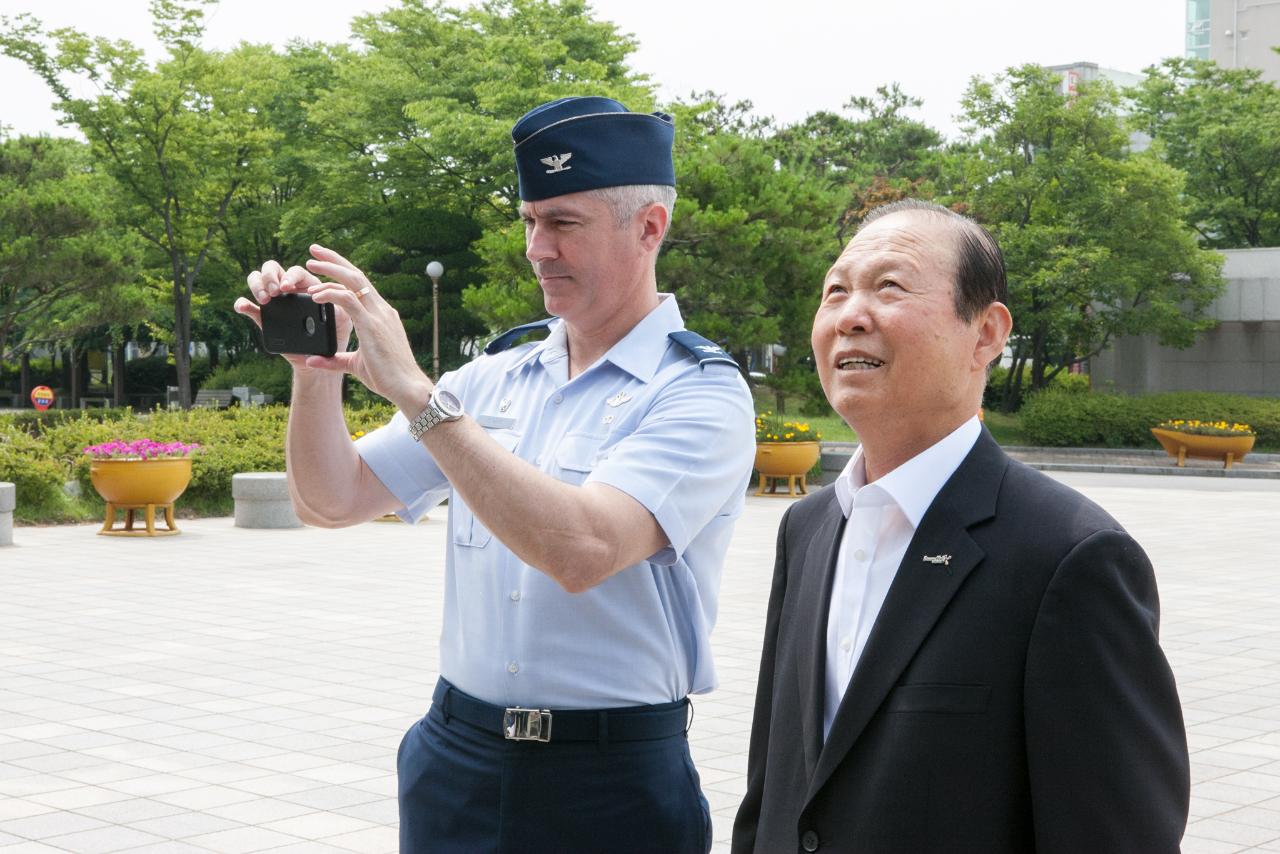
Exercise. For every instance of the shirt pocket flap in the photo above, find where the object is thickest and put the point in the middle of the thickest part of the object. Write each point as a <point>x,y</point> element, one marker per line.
<point>940,699</point>
<point>508,439</point>
<point>495,422</point>
<point>579,452</point>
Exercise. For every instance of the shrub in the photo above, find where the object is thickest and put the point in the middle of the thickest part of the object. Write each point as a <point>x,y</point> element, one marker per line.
<point>33,420</point>
<point>38,477</point>
<point>1059,418</point>
<point>42,373</point>
<point>993,394</point>
<point>155,373</point>
<point>42,453</point>
<point>270,374</point>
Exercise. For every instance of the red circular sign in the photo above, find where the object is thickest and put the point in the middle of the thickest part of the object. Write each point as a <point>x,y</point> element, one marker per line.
<point>42,397</point>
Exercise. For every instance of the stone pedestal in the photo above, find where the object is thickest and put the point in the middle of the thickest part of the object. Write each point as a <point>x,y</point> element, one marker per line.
<point>8,500</point>
<point>262,501</point>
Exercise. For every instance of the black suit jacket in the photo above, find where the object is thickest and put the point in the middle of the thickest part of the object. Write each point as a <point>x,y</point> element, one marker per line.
<point>1014,699</point>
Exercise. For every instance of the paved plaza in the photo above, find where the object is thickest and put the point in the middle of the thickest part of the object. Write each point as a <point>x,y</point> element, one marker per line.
<point>236,690</point>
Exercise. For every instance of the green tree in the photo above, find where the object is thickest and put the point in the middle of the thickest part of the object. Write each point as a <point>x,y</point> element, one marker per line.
<point>873,153</point>
<point>182,138</point>
<point>1093,236</point>
<point>413,144</point>
<point>65,265</point>
<point>1222,127</point>
<point>751,238</point>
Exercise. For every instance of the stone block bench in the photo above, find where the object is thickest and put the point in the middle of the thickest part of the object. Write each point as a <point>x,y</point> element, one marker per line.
<point>8,500</point>
<point>262,500</point>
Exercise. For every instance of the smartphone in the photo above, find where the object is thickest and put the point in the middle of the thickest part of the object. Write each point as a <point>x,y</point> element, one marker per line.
<point>294,324</point>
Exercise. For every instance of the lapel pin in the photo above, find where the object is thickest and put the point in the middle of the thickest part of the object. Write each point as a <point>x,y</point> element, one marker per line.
<point>618,399</point>
<point>945,560</point>
<point>504,405</point>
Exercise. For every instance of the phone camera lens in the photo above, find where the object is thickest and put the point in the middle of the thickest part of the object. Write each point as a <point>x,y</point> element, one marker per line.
<point>310,326</point>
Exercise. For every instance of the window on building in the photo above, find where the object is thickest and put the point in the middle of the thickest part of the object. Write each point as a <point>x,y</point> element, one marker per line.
<point>1198,29</point>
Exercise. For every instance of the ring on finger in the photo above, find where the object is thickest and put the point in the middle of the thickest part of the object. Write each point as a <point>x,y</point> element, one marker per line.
<point>366,289</point>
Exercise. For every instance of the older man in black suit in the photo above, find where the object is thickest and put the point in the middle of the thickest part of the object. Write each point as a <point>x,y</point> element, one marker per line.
<point>961,654</point>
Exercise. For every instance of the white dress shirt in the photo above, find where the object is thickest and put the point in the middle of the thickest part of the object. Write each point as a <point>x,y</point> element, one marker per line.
<point>883,517</point>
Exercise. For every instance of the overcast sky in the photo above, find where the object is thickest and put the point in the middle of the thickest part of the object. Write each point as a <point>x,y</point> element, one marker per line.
<point>789,58</point>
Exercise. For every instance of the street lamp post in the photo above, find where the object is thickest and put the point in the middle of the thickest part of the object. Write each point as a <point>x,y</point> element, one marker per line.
<point>435,270</point>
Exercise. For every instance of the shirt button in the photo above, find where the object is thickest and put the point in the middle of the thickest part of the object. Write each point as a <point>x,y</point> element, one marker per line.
<point>513,668</point>
<point>559,398</point>
<point>846,644</point>
<point>860,555</point>
<point>537,461</point>
<point>515,595</point>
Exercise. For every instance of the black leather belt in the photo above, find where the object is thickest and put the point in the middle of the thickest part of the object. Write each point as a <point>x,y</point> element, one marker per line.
<point>633,723</point>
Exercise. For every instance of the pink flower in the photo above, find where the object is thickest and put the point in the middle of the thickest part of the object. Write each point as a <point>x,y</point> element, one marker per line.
<point>140,449</point>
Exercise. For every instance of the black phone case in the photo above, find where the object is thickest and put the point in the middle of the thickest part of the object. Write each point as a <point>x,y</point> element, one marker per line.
<point>294,324</point>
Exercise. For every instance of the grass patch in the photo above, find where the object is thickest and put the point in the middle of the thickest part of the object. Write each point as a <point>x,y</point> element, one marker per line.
<point>1005,428</point>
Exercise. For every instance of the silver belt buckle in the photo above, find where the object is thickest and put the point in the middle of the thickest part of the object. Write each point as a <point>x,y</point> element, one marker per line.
<point>526,724</point>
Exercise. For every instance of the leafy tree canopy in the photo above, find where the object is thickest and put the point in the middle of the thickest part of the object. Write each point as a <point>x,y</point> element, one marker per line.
<point>1222,127</point>
<point>1093,237</point>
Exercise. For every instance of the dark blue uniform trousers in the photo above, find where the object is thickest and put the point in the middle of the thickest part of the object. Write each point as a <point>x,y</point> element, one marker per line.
<point>466,788</point>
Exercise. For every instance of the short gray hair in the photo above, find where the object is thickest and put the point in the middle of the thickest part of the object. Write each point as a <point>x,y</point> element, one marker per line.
<point>626,201</point>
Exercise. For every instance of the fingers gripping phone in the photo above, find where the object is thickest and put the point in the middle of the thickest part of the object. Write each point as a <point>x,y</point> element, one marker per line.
<point>296,325</point>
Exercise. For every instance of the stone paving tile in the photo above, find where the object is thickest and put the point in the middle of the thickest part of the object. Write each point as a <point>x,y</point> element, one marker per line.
<point>103,840</point>
<point>251,687</point>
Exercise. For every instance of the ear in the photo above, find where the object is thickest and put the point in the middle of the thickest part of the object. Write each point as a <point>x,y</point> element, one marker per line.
<point>653,224</point>
<point>994,325</point>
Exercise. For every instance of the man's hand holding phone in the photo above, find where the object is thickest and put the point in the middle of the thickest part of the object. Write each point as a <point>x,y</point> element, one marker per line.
<point>384,361</point>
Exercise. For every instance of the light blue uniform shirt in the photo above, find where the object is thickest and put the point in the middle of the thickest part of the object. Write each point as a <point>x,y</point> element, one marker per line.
<point>646,419</point>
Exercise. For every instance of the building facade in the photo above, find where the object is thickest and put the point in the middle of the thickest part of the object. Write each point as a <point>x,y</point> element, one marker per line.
<point>1240,355</point>
<point>1236,34</point>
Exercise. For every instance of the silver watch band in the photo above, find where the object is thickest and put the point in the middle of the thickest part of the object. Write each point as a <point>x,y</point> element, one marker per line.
<point>440,408</point>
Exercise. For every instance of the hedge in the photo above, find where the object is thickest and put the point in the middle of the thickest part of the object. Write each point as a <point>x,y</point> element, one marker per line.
<point>26,463</point>
<point>1060,418</point>
<point>270,374</point>
<point>39,455</point>
<point>993,394</point>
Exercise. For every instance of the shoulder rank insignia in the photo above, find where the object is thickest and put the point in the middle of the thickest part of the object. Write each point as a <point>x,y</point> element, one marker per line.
<point>511,336</point>
<point>706,352</point>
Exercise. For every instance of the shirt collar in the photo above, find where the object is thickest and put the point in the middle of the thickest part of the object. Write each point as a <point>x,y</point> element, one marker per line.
<point>639,353</point>
<point>914,484</point>
<point>641,350</point>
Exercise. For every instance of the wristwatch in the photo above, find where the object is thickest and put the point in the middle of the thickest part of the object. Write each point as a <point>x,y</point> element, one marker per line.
<point>442,407</point>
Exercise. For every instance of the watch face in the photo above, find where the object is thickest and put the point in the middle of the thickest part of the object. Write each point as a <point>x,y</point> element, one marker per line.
<point>448,403</point>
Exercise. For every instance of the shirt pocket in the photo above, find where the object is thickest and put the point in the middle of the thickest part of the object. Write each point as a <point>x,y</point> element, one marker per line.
<point>577,456</point>
<point>467,529</point>
<point>939,699</point>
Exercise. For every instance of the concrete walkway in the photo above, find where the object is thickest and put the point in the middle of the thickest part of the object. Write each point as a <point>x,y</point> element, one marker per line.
<point>240,690</point>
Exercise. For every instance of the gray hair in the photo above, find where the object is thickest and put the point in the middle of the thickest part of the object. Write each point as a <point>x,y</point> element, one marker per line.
<point>626,201</point>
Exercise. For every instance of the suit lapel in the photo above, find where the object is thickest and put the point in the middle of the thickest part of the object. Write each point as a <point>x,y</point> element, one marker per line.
<point>918,596</point>
<point>819,572</point>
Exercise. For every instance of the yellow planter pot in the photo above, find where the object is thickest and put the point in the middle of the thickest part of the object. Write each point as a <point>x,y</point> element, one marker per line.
<point>1229,449</point>
<point>790,460</point>
<point>132,485</point>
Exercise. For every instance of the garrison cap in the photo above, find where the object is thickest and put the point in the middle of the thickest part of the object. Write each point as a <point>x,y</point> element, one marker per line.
<point>577,144</point>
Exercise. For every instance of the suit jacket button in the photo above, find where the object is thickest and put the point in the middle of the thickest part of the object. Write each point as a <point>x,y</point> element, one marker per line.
<point>809,842</point>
